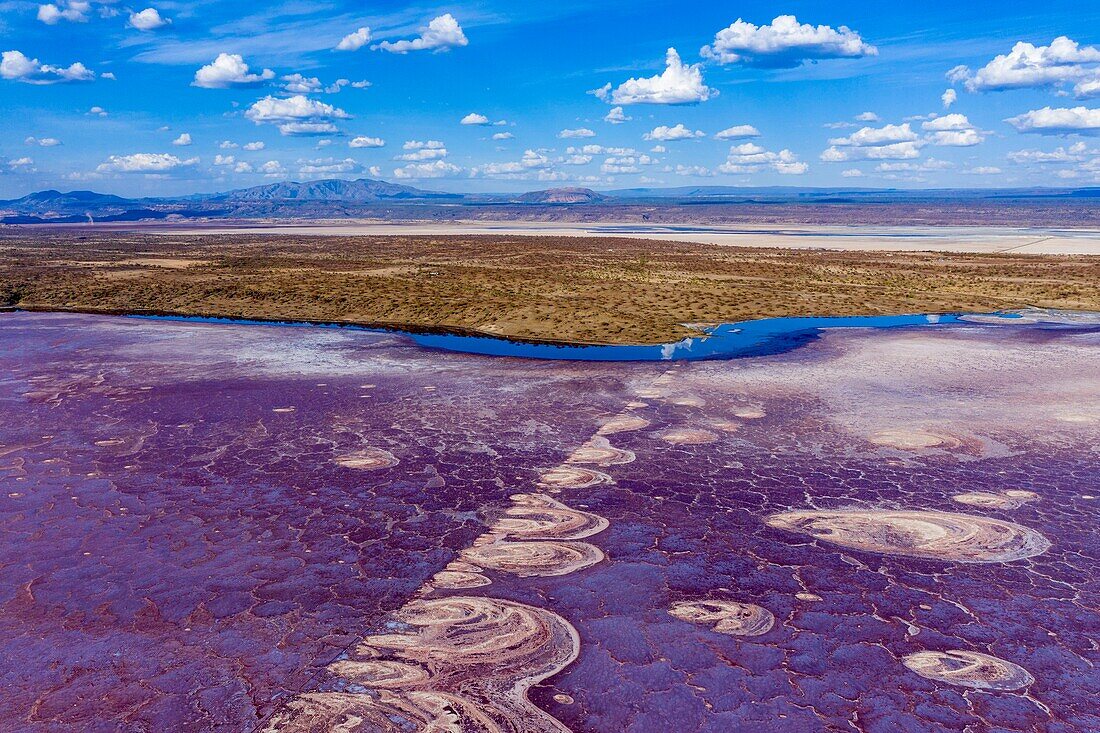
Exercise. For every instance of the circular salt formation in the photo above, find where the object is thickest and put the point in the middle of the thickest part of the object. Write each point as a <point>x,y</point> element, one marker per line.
<point>368,459</point>
<point>689,400</point>
<point>572,477</point>
<point>989,500</point>
<point>599,451</point>
<point>926,534</point>
<point>726,617</point>
<point>622,424</point>
<point>527,559</point>
<point>563,699</point>
<point>380,673</point>
<point>459,580</point>
<point>912,439</point>
<point>812,597</point>
<point>539,517</point>
<point>688,436</point>
<point>969,669</point>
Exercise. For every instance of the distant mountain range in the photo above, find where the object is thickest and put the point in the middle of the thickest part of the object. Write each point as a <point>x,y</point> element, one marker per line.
<point>338,198</point>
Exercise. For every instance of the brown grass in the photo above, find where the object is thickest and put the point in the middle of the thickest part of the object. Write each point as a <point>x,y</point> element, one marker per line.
<point>599,290</point>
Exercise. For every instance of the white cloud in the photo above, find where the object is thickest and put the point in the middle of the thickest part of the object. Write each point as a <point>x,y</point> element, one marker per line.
<point>148,20</point>
<point>363,84</point>
<point>297,115</point>
<point>503,136</point>
<point>852,173</point>
<point>273,169</point>
<point>423,150</point>
<point>658,149</point>
<point>354,41</point>
<point>983,170</point>
<point>42,142</point>
<point>23,162</point>
<point>868,117</point>
<point>784,44</point>
<point>737,132</point>
<point>893,151</point>
<point>1060,121</point>
<point>75,11</point>
<point>752,158</point>
<point>229,70</point>
<point>474,119</point>
<point>224,160</point>
<point>680,83</point>
<point>254,146</point>
<point>1027,65</point>
<point>243,167</point>
<point>576,159</point>
<point>437,169</point>
<point>108,75</point>
<point>361,141</point>
<point>953,130</point>
<point>1071,154</point>
<point>948,98</point>
<point>533,164</point>
<point>665,133</point>
<point>575,133</point>
<point>877,136</point>
<point>183,140</point>
<point>308,129</point>
<point>144,163</point>
<point>694,171</point>
<point>418,144</point>
<point>96,112</point>
<point>298,84</point>
<point>329,166</point>
<point>616,116</point>
<point>17,67</point>
<point>442,34</point>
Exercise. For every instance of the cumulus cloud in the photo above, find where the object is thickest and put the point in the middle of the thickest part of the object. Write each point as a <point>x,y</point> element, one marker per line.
<point>254,146</point>
<point>503,136</point>
<point>577,132</point>
<point>14,65</point>
<point>953,130</point>
<point>868,117</point>
<point>752,158</point>
<point>948,98</point>
<point>355,40</point>
<point>42,142</point>
<point>148,20</point>
<point>474,119</point>
<point>144,163</point>
<point>183,140</point>
<point>224,160</point>
<point>852,173</point>
<point>695,171</point>
<point>75,11</point>
<point>889,142</point>
<point>784,44</point>
<point>983,170</point>
<point>442,34</point>
<point>229,70</point>
<point>664,133</point>
<point>533,165</point>
<point>1027,65</point>
<point>737,132</point>
<point>1062,154</point>
<point>680,83</point>
<point>423,150</point>
<point>436,169</point>
<point>616,116</point>
<point>328,166</point>
<point>1058,121</point>
<point>877,136</point>
<point>96,112</point>
<point>298,84</point>
<point>362,141</point>
<point>297,115</point>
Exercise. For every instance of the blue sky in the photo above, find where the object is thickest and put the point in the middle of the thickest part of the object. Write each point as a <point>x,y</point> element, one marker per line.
<point>175,98</point>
